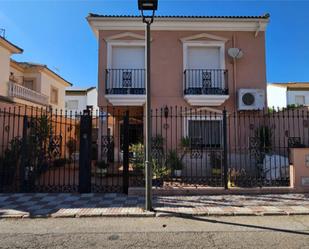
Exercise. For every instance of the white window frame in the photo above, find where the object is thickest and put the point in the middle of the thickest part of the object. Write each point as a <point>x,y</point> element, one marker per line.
<point>197,117</point>
<point>122,43</point>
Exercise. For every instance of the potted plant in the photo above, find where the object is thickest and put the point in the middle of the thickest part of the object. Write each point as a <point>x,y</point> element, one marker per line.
<point>216,163</point>
<point>160,171</point>
<point>101,168</point>
<point>237,178</point>
<point>175,163</point>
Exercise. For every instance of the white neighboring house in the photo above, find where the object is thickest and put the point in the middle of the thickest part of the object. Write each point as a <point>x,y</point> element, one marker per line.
<point>77,100</point>
<point>285,94</point>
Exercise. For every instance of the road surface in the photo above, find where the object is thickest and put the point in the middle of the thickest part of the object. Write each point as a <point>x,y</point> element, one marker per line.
<point>165,232</point>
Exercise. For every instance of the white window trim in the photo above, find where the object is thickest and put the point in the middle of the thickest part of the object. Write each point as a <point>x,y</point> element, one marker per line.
<point>122,43</point>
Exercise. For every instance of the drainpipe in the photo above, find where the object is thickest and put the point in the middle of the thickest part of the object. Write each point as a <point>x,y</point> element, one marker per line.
<point>235,89</point>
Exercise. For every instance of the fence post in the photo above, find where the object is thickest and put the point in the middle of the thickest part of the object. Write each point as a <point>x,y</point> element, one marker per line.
<point>85,152</point>
<point>225,149</point>
<point>24,154</point>
<point>126,153</point>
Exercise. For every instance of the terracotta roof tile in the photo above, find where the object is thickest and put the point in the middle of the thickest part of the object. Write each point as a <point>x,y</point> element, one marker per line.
<point>266,16</point>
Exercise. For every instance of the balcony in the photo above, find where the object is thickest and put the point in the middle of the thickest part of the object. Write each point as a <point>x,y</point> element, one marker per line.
<point>125,87</point>
<point>205,87</point>
<point>19,91</point>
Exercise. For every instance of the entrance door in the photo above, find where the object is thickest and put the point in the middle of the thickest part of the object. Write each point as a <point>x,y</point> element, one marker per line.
<point>135,134</point>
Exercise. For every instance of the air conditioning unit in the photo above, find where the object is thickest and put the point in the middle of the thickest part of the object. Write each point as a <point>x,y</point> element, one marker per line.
<point>251,99</point>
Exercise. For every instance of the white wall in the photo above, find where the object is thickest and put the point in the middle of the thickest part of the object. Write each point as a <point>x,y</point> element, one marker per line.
<point>92,99</point>
<point>83,100</point>
<point>292,94</point>
<point>4,70</point>
<point>276,96</point>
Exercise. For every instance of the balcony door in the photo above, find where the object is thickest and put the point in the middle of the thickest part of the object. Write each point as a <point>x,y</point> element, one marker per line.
<point>203,67</point>
<point>127,67</point>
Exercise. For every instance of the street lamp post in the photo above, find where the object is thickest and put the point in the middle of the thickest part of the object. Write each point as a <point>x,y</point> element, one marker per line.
<point>151,6</point>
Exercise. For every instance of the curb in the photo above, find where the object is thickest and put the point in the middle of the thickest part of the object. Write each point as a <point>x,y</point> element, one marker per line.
<point>152,214</point>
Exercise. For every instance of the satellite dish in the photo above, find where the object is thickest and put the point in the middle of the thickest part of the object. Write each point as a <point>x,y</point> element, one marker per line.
<point>235,53</point>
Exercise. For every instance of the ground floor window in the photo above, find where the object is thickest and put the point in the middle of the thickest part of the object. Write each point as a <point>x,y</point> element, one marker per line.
<point>205,133</point>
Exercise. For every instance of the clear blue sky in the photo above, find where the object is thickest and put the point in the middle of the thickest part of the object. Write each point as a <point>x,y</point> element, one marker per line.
<point>55,32</point>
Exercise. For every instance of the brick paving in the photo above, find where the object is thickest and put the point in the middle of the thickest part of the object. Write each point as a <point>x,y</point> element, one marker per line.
<point>95,205</point>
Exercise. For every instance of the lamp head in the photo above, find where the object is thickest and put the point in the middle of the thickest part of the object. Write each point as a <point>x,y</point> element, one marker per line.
<point>145,5</point>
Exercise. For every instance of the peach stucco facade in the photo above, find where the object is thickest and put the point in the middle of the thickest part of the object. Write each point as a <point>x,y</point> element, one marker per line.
<point>170,39</point>
<point>167,65</point>
<point>299,169</point>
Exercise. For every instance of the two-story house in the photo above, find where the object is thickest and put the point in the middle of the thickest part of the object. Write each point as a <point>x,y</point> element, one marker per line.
<point>30,84</point>
<point>7,49</point>
<point>191,65</point>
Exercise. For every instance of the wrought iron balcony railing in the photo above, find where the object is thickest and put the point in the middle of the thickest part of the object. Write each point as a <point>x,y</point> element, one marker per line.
<point>205,82</point>
<point>125,81</point>
<point>19,91</point>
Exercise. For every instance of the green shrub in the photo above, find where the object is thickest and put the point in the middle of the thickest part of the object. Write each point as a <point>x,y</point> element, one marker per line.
<point>174,161</point>
<point>137,159</point>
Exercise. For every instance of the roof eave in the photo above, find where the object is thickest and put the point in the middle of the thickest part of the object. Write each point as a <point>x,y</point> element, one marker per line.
<point>213,24</point>
<point>10,46</point>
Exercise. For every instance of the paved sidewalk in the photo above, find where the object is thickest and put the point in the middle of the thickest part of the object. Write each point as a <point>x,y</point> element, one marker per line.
<point>93,205</point>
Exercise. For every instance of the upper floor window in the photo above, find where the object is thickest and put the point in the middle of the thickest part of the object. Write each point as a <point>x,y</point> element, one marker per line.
<point>300,100</point>
<point>204,68</point>
<point>203,58</point>
<point>29,83</point>
<point>125,72</point>
<point>127,57</point>
<point>71,104</point>
<point>204,55</point>
<point>54,95</point>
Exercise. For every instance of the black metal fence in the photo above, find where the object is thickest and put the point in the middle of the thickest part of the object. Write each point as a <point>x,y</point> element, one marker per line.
<point>42,150</point>
<point>240,149</point>
<point>52,151</point>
